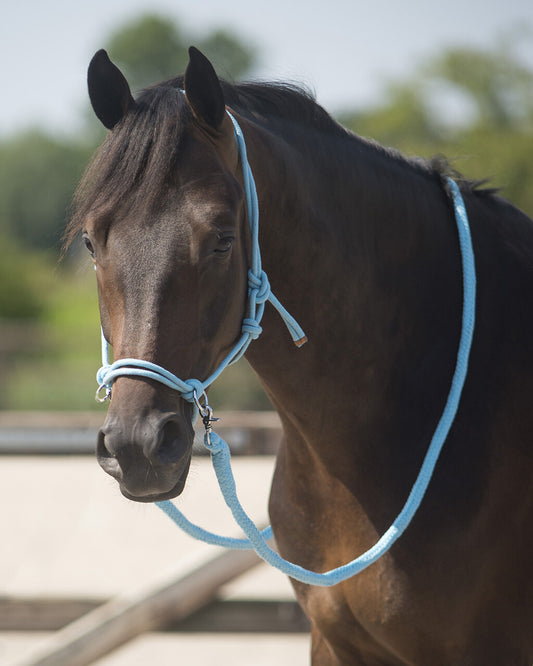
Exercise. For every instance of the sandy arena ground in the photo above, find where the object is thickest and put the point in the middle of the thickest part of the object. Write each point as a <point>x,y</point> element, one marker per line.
<point>67,532</point>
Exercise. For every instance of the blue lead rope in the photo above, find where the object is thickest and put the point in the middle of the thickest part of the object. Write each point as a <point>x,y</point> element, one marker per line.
<point>192,390</point>
<point>220,454</point>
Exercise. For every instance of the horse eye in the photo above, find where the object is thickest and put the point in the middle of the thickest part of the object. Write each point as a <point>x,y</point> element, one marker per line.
<point>224,244</point>
<point>88,245</point>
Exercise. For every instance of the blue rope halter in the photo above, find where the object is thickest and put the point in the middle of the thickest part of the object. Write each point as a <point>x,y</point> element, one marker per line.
<point>259,293</point>
<point>193,390</point>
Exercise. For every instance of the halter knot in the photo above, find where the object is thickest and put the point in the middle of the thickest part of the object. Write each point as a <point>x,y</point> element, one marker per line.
<point>251,327</point>
<point>259,286</point>
<point>195,387</point>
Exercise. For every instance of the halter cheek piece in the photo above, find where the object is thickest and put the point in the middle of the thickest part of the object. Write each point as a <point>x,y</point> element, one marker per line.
<point>193,390</point>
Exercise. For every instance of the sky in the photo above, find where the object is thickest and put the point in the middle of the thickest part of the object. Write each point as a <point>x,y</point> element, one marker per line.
<point>344,50</point>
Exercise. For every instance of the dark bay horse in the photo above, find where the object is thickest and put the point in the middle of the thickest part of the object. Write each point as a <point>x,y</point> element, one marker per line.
<point>360,245</point>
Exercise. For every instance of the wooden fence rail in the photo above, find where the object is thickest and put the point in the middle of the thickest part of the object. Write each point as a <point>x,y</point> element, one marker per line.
<point>154,606</point>
<point>59,433</point>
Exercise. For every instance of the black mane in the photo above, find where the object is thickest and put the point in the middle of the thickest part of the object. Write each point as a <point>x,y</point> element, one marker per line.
<point>267,100</point>
<point>134,163</point>
<point>136,159</point>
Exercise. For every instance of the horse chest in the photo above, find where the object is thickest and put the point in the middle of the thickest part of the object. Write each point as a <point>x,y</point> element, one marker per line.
<point>358,622</point>
<point>320,524</point>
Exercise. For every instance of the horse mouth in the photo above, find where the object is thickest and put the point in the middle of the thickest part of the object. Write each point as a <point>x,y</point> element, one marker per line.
<point>175,491</point>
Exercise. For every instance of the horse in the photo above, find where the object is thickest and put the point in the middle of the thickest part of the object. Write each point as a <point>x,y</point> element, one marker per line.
<point>360,245</point>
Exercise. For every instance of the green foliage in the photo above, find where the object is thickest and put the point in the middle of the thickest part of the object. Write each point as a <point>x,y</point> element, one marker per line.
<point>38,175</point>
<point>57,370</point>
<point>499,87</point>
<point>495,141</point>
<point>22,276</point>
<point>231,57</point>
<point>152,48</point>
<point>148,49</point>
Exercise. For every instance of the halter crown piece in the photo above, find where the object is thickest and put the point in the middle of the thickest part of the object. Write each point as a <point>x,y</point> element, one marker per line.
<point>193,391</point>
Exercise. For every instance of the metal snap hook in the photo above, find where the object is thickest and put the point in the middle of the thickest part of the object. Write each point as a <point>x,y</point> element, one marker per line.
<point>205,411</point>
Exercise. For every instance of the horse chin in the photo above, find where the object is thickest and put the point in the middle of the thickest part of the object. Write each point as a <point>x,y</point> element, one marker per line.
<point>175,491</point>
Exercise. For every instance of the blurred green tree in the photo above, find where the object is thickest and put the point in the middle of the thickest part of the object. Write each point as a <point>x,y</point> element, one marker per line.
<point>38,174</point>
<point>231,57</point>
<point>152,48</point>
<point>21,274</point>
<point>498,87</point>
<point>474,106</point>
<point>148,49</point>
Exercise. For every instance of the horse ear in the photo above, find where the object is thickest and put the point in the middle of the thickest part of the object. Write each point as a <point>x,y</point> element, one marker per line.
<point>109,91</point>
<point>203,90</point>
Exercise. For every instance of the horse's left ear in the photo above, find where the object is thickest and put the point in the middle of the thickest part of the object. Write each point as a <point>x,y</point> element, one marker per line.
<point>203,90</point>
<point>109,91</point>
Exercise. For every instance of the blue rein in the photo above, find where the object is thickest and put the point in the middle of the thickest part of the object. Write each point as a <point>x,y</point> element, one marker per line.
<point>193,390</point>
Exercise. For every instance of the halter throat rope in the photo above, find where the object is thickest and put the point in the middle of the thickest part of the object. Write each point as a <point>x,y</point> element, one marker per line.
<point>193,390</point>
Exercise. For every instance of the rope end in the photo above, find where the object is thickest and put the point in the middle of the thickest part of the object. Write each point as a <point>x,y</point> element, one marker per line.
<point>301,341</point>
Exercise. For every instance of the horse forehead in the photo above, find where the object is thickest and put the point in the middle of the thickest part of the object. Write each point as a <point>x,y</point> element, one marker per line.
<point>163,241</point>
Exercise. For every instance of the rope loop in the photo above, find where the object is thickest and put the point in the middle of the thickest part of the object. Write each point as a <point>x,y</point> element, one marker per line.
<point>101,377</point>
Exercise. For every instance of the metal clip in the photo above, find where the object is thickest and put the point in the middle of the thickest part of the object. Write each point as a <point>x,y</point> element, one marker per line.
<point>107,395</point>
<point>206,413</point>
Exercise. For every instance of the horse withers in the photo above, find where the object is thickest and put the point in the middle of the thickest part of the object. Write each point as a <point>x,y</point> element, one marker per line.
<point>360,245</point>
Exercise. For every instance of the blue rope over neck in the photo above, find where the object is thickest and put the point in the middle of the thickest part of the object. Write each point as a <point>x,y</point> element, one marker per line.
<point>192,390</point>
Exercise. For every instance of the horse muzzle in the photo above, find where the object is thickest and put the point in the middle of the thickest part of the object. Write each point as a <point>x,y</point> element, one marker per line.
<point>148,454</point>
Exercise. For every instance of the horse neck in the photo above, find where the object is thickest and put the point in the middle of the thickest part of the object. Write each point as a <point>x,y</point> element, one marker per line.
<point>361,248</point>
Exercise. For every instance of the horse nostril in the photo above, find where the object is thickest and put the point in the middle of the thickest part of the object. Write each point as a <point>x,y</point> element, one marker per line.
<point>102,452</point>
<point>106,458</point>
<point>171,447</point>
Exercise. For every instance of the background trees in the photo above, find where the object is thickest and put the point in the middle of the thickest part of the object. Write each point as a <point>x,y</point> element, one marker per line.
<point>475,107</point>
<point>49,332</point>
<point>153,48</point>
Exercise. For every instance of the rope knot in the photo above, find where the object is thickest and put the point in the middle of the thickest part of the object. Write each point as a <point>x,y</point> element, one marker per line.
<point>260,285</point>
<point>251,327</point>
<point>195,386</point>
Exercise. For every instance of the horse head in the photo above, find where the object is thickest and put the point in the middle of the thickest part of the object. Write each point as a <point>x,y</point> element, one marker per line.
<point>163,217</point>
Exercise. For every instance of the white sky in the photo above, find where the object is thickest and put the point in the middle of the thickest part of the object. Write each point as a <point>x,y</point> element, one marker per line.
<point>343,49</point>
